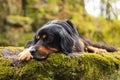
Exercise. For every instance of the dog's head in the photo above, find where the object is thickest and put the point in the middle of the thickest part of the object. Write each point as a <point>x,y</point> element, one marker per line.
<point>52,37</point>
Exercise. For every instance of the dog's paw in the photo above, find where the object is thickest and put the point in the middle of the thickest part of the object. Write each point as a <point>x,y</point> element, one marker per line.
<point>25,55</point>
<point>101,51</point>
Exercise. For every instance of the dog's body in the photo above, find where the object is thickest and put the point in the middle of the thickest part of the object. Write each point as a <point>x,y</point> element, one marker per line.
<point>60,36</point>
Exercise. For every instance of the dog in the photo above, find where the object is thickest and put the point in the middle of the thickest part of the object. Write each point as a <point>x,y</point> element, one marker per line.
<point>59,36</point>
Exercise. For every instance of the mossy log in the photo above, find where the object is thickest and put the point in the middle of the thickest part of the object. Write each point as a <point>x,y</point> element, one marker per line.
<point>59,67</point>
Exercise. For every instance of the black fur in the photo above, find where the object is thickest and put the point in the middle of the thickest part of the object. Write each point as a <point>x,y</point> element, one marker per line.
<point>62,36</point>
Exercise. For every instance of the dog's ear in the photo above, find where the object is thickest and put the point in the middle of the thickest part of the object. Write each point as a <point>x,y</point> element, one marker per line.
<point>66,42</point>
<point>72,27</point>
<point>69,22</point>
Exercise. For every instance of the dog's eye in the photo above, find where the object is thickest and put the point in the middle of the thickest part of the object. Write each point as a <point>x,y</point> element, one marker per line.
<point>47,39</point>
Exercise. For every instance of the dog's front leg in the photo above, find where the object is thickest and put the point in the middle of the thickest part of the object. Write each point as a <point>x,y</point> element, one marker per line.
<point>25,54</point>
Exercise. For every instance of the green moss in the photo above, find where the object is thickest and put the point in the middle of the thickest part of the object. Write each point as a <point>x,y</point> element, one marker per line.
<point>60,67</point>
<point>6,71</point>
<point>32,70</point>
<point>96,66</point>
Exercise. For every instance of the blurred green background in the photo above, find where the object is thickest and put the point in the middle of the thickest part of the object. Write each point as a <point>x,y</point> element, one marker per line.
<point>19,19</point>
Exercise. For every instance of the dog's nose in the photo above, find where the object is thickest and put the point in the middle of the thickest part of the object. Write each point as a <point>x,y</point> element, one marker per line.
<point>33,50</point>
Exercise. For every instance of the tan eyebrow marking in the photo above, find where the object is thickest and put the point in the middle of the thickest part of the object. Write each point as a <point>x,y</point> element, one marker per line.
<point>38,37</point>
<point>44,36</point>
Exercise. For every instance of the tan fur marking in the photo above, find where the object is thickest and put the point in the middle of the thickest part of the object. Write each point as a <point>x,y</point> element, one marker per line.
<point>44,50</point>
<point>38,37</point>
<point>25,54</point>
<point>96,50</point>
<point>76,49</point>
<point>81,43</point>
<point>44,36</point>
<point>92,48</point>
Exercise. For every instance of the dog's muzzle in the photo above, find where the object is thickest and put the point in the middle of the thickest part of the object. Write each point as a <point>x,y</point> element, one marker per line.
<point>38,55</point>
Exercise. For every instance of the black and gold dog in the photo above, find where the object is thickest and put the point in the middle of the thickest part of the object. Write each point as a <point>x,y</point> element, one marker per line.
<point>59,36</point>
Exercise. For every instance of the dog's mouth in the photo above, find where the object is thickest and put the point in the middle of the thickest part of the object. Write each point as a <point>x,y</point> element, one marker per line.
<point>39,56</point>
<point>41,53</point>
